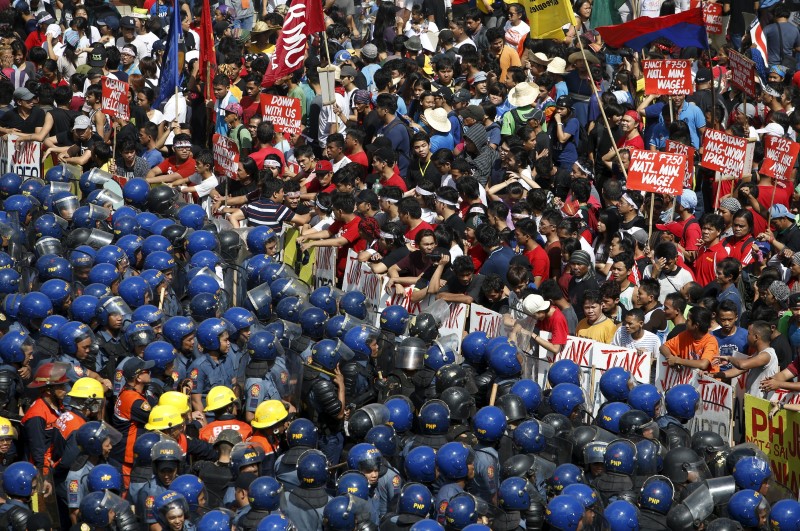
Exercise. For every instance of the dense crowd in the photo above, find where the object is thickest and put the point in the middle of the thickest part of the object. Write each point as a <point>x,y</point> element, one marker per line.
<point>163,368</point>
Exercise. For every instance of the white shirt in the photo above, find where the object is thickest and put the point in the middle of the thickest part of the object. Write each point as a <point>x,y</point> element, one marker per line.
<point>340,164</point>
<point>649,342</point>
<point>669,283</point>
<point>327,117</point>
<point>757,374</point>
<point>203,188</point>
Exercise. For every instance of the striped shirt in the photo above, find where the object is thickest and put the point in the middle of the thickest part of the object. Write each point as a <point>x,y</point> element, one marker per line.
<point>267,212</point>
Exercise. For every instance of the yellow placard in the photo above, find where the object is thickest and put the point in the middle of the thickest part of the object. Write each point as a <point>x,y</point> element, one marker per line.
<point>306,273</point>
<point>778,437</point>
<point>290,235</point>
<point>548,17</point>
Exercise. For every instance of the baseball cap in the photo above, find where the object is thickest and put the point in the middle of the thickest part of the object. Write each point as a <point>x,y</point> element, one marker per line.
<point>780,211</point>
<point>98,56</point>
<point>639,234</point>
<point>323,166</point>
<point>534,303</point>
<point>127,23</point>
<point>370,51</point>
<point>688,199</point>
<point>134,366</point>
<point>81,122</point>
<point>45,18</point>
<point>23,94</point>
<point>235,108</point>
<point>794,301</point>
<point>564,101</point>
<point>703,75</point>
<point>479,77</point>
<point>461,96</point>
<point>341,57</point>
<point>347,71</point>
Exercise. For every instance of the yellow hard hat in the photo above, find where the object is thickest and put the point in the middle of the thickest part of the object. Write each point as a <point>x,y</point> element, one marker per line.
<point>87,388</point>
<point>7,429</point>
<point>175,399</point>
<point>219,397</point>
<point>269,413</point>
<point>164,418</point>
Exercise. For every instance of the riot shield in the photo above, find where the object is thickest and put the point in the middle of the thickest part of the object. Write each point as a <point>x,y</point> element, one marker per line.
<point>111,194</point>
<point>46,503</point>
<point>290,381</point>
<point>99,177</point>
<point>47,246</point>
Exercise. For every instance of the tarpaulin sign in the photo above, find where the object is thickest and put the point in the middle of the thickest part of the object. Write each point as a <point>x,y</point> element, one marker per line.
<point>716,413</point>
<point>743,73</point>
<point>676,147</point>
<point>780,154</point>
<point>777,437</point>
<point>724,153</point>
<point>654,171</point>
<point>226,156</point>
<point>115,98</point>
<point>284,113</point>
<point>21,157</point>
<point>485,320</point>
<point>669,76</point>
<point>712,14</point>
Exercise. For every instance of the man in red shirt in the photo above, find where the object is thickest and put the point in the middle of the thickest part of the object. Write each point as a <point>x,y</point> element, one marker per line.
<point>180,166</point>
<point>549,319</point>
<point>712,250</point>
<point>265,136</point>
<point>685,229</point>
<point>321,181</point>
<point>38,36</point>
<point>411,216</point>
<point>526,235</point>
<point>383,162</point>
<point>354,142</point>
<point>343,233</point>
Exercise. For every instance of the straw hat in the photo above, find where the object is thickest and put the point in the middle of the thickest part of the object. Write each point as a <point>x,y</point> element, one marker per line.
<point>437,119</point>
<point>540,59</point>
<point>557,66</point>
<point>259,27</point>
<point>578,56</point>
<point>523,95</point>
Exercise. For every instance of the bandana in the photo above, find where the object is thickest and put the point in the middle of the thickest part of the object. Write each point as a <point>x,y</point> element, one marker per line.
<point>445,201</point>
<point>388,200</point>
<point>422,191</point>
<point>319,206</point>
<point>292,195</point>
<point>182,144</point>
<point>628,200</point>
<point>370,227</point>
<point>387,236</point>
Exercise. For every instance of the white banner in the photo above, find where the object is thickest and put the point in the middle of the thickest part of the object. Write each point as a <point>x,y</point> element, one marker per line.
<point>716,413</point>
<point>667,377</point>
<point>581,351</point>
<point>22,158</point>
<point>485,320</point>
<point>325,272</point>
<point>637,363</point>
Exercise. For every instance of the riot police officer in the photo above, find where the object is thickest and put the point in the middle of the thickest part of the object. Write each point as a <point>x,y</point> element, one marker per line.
<point>265,498</point>
<point>213,366</point>
<point>167,458</point>
<point>301,435</point>
<point>456,464</point>
<point>681,402</point>
<point>20,481</point>
<point>415,503</point>
<point>324,396</point>
<point>304,505</point>
<point>489,425</point>
<point>94,439</point>
<point>620,466</point>
<point>655,501</point>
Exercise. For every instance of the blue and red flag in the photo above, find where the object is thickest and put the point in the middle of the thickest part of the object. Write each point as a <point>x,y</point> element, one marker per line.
<point>684,29</point>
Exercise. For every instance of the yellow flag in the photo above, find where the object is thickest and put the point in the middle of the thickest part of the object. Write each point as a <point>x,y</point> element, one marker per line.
<point>547,17</point>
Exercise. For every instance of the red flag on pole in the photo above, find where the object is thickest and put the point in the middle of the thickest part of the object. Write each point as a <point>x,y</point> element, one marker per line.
<point>208,56</point>
<point>303,18</point>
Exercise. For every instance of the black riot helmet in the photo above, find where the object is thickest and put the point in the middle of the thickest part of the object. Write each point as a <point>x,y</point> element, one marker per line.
<point>425,327</point>
<point>513,407</point>
<point>461,403</point>
<point>160,199</point>
<point>707,443</point>
<point>450,375</point>
<point>230,245</point>
<point>560,423</point>
<point>518,466</point>
<point>683,465</point>
<point>176,235</point>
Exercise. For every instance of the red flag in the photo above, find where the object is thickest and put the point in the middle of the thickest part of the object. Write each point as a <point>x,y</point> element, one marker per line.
<point>208,56</point>
<point>303,18</point>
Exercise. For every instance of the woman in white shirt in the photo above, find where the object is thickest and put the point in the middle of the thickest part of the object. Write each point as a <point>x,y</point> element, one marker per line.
<point>517,29</point>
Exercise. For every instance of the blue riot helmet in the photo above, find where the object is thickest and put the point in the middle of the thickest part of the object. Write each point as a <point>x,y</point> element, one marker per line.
<point>160,226</point>
<point>105,274</point>
<point>564,371</point>
<point>82,259</point>
<point>384,438</point>
<point>15,346</point>
<point>10,184</point>
<point>530,393</point>
<point>109,306</point>
<point>204,306</point>
<point>564,475</point>
<point>111,254</point>
<point>420,465</point>
<point>139,334</point>
<point>192,216</point>
<point>339,514</point>
<point>208,259</point>
<point>9,281</point>
<point>240,319</point>
<point>57,290</point>
<point>143,446</point>
<point>453,460</point>
<point>11,303</point>
<point>395,319</point>
<point>21,204</point>
<point>30,187</point>
<point>462,510</point>
<point>609,416</point>
<point>290,308</point>
<point>312,469</point>
<point>58,174</point>
<point>749,507</point>
<point>312,322</point>
<point>203,282</point>
<point>489,424</point>
<point>657,494</point>
<point>415,499</point>
<point>354,303</point>
<point>84,308</point>
<point>622,515</point>
<point>263,346</point>
<point>566,399</point>
<point>362,340</point>
<point>682,402</point>
<point>353,483</point>
<point>176,329</point>
<point>201,240</point>
<point>529,438</point>
<point>265,494</point>
<point>131,244</point>
<point>615,384</point>
<point>620,457</point>
<point>364,457</point>
<point>564,513</point>
<point>73,333</point>
<point>426,525</point>
<point>473,348</point>
<point>645,397</point>
<point>146,220</point>
<point>751,472</point>
<point>209,333</point>
<point>18,479</point>
<point>327,353</point>
<point>51,266</point>
<point>6,261</point>
<point>438,355</point>
<point>276,522</point>
<point>401,413</point>
<point>245,454</point>
<point>272,271</point>
<point>93,436</point>
<point>104,477</point>
<point>216,520</point>
<point>785,515</point>
<point>253,267</point>
<point>302,432</point>
<point>326,298</point>
<point>257,239</point>
<point>584,494</point>
<point>639,424</point>
<point>649,457</point>
<point>47,226</point>
<point>48,246</point>
<point>161,261</point>
<point>34,307</point>
<point>337,326</point>
<point>167,502</point>
<point>504,361</point>
<point>160,352</point>
<point>51,325</point>
<point>289,287</point>
<point>135,291</point>
<point>154,243</point>
<point>513,495</point>
<point>135,192</point>
<point>124,212</point>
<point>149,314</point>
<point>434,418</point>
<point>96,510</point>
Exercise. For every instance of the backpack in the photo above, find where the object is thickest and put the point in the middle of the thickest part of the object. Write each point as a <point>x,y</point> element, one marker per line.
<point>583,140</point>
<point>689,223</point>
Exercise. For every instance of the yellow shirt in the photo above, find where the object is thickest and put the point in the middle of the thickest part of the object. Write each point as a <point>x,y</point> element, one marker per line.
<point>603,331</point>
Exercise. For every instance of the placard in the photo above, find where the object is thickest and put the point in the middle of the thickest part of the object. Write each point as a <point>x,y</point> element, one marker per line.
<point>639,364</point>
<point>667,377</point>
<point>656,171</point>
<point>226,156</point>
<point>21,157</point>
<point>580,350</point>
<point>743,73</point>
<point>325,267</point>
<point>780,154</point>
<point>676,147</point>
<point>454,324</point>
<point>668,76</point>
<point>712,15</point>
<point>724,153</point>
<point>716,413</point>
<point>285,113</point>
<point>777,437</point>
<point>115,98</point>
<point>485,320</point>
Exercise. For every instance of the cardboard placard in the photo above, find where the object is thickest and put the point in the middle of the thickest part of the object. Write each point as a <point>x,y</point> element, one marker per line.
<point>668,377</point>
<point>743,73</point>
<point>325,267</point>
<point>676,147</point>
<point>285,113</point>
<point>226,156</point>
<point>485,320</point>
<point>712,14</point>
<point>639,364</point>
<point>716,413</point>
<point>21,157</point>
<point>655,171</point>
<point>724,153</point>
<point>668,76</point>
<point>115,98</point>
<point>780,155</point>
<point>777,437</point>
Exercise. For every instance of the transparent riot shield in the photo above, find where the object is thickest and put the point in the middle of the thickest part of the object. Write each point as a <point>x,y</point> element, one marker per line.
<point>290,380</point>
<point>557,449</point>
<point>99,177</point>
<point>47,246</point>
<point>440,310</point>
<point>111,194</point>
<point>66,206</point>
<point>44,499</point>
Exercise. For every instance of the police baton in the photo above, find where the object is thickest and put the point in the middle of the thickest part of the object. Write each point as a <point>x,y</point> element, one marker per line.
<point>318,369</point>
<point>493,396</point>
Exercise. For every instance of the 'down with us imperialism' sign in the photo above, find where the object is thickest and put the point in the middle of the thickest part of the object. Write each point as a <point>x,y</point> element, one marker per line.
<point>284,113</point>
<point>115,98</point>
<point>654,171</point>
<point>669,76</point>
<point>226,156</point>
<point>780,154</point>
<point>724,153</point>
<point>743,73</point>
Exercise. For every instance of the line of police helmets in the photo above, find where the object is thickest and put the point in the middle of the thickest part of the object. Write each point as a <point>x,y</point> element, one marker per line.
<point>357,421</point>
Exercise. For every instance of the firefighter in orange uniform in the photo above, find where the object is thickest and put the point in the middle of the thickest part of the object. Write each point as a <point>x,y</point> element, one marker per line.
<point>222,402</point>
<point>39,421</point>
<point>131,412</point>
<point>270,423</point>
<point>170,421</point>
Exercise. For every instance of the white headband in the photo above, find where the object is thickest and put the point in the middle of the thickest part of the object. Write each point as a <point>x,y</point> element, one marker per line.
<point>422,191</point>
<point>386,236</point>
<point>628,200</point>
<point>445,201</point>
<point>388,200</point>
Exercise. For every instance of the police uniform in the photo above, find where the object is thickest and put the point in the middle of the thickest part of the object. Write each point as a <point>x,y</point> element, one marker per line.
<point>15,513</point>
<point>260,389</point>
<point>446,492</point>
<point>171,306</point>
<point>282,379</point>
<point>146,500</point>
<point>76,481</point>
<point>610,484</point>
<point>247,519</point>
<point>651,521</point>
<point>358,379</point>
<point>216,477</point>
<point>206,373</point>
<point>111,352</point>
<point>286,467</point>
<point>424,382</point>
<point>673,433</point>
<point>304,507</point>
<point>11,390</point>
<point>389,484</point>
<point>75,371</point>
<point>322,403</point>
<point>484,484</point>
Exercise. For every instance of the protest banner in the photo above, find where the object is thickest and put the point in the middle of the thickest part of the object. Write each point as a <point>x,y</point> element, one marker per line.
<point>226,156</point>
<point>115,98</point>
<point>676,147</point>
<point>655,171</point>
<point>306,273</point>
<point>548,17</point>
<point>743,73</point>
<point>353,272</point>
<point>780,154</point>
<point>21,157</point>
<point>777,437</point>
<point>639,364</point>
<point>668,76</point>
<point>667,376</point>
<point>454,325</point>
<point>485,320</point>
<point>580,350</point>
<point>358,277</point>
<point>325,267</point>
<point>716,413</point>
<point>724,153</point>
<point>712,15</point>
<point>285,113</point>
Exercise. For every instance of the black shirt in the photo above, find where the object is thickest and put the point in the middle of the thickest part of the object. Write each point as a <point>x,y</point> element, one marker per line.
<point>12,120</point>
<point>783,350</point>
<point>68,139</point>
<point>62,120</point>
<point>423,171</point>
<point>457,224</point>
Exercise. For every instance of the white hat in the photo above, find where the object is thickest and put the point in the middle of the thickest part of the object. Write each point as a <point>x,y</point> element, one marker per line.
<point>437,119</point>
<point>540,59</point>
<point>523,94</point>
<point>557,66</point>
<point>772,129</point>
<point>535,303</point>
<point>54,30</point>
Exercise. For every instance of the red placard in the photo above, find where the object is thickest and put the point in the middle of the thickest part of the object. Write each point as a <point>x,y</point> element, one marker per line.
<point>669,76</point>
<point>115,98</point>
<point>655,171</point>
<point>712,14</point>
<point>285,113</point>
<point>683,149</point>
<point>780,154</point>
<point>724,153</point>
<point>743,73</point>
<point>226,156</point>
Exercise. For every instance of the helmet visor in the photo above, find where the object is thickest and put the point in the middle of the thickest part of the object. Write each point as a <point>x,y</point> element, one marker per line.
<point>107,196</point>
<point>142,337</point>
<point>73,171</point>
<point>260,296</point>
<point>116,305</point>
<point>344,351</point>
<point>99,238</point>
<point>66,206</point>
<point>440,310</point>
<point>114,503</point>
<point>109,432</point>
<point>56,187</point>
<point>49,246</point>
<point>98,176</point>
<point>697,471</point>
<point>409,357</point>
<point>294,288</point>
<point>98,213</point>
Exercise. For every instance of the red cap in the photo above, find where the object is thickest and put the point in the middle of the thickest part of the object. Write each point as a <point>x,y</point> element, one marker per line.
<point>673,227</point>
<point>324,165</point>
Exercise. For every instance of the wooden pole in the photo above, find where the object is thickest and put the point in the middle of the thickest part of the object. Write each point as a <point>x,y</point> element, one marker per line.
<point>650,220</point>
<point>493,396</point>
<point>114,148</point>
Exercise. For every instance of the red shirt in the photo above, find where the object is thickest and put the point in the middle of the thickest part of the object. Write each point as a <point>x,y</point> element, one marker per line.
<point>688,238</point>
<point>478,255</point>
<point>540,262</point>
<point>360,158</point>
<point>782,195</point>
<point>740,249</point>
<point>395,180</point>
<point>412,234</point>
<point>705,265</point>
<point>37,38</point>
<point>186,170</point>
<point>636,142</point>
<point>349,232</point>
<point>556,324</point>
<point>759,222</point>
<point>260,155</point>
<point>211,430</point>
